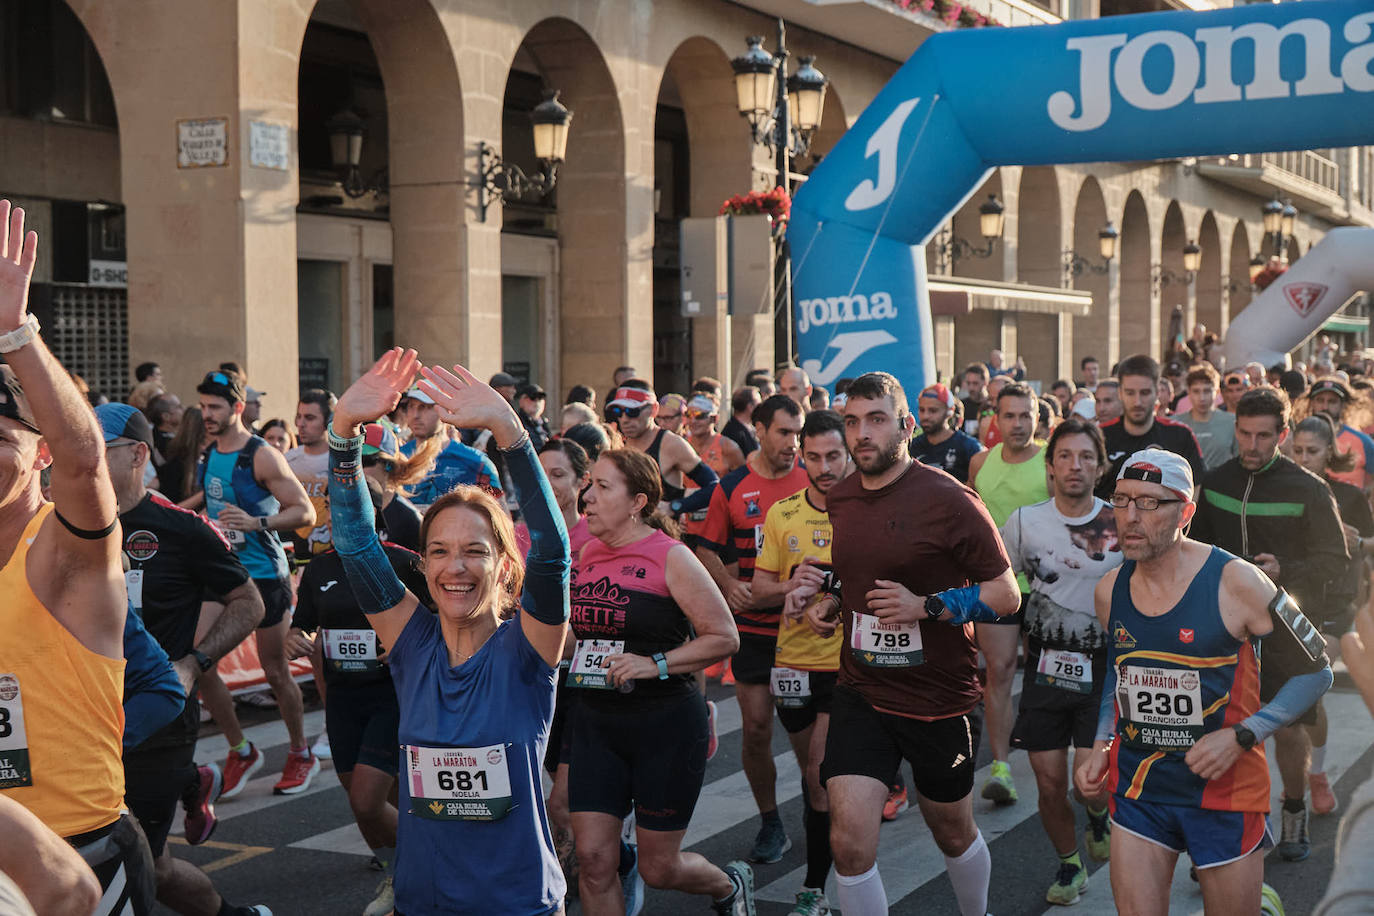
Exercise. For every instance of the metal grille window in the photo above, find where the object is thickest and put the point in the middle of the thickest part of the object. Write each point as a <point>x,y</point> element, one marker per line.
<point>89,334</point>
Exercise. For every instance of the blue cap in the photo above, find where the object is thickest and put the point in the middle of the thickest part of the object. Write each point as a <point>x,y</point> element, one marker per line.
<point>379,440</point>
<point>120,421</point>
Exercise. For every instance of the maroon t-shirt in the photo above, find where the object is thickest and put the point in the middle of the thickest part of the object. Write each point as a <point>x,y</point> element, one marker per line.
<point>929,532</point>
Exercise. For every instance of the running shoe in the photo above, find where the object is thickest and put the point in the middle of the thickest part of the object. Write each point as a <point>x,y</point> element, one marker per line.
<point>1097,836</point>
<point>632,885</point>
<point>999,788</point>
<point>712,741</point>
<point>199,802</point>
<point>727,677</point>
<point>1323,799</point>
<point>260,699</point>
<point>1270,903</point>
<point>1294,845</point>
<point>741,902</point>
<point>1071,881</point>
<point>896,802</point>
<point>715,672</point>
<point>238,769</point>
<point>811,902</point>
<point>296,774</point>
<point>321,747</point>
<point>385,901</point>
<point>771,843</point>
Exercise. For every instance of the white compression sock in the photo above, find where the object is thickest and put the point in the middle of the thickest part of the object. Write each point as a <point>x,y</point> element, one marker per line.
<point>1318,759</point>
<point>861,895</point>
<point>969,874</point>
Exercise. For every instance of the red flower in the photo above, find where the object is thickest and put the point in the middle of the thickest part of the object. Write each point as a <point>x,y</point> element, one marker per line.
<point>952,13</point>
<point>775,203</point>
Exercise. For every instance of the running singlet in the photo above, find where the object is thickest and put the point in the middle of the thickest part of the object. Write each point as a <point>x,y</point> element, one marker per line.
<point>795,530</point>
<point>456,464</point>
<point>471,801</point>
<point>734,529</point>
<point>325,602</point>
<point>1180,675</point>
<point>259,551</point>
<point>578,536</point>
<point>61,722</point>
<point>1358,445</point>
<point>621,604</point>
<point>313,473</point>
<point>1006,487</point>
<point>929,532</point>
<point>670,492</point>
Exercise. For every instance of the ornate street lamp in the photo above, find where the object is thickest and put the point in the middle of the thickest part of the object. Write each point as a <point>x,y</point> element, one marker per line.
<point>1075,264</point>
<point>950,248</point>
<point>346,134</point>
<point>550,121</point>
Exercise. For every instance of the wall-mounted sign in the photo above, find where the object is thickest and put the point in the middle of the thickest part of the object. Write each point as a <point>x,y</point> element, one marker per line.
<point>269,145</point>
<point>202,143</point>
<point>113,274</point>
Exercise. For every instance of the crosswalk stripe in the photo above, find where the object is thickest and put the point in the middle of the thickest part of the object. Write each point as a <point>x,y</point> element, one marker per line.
<point>346,840</point>
<point>263,736</point>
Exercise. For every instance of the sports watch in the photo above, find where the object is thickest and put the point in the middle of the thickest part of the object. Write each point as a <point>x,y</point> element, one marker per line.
<point>1244,737</point>
<point>203,661</point>
<point>935,606</point>
<point>662,661</point>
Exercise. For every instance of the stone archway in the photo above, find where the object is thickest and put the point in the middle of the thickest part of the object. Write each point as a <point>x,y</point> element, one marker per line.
<point>1097,333</point>
<point>593,323</point>
<point>1209,288</point>
<point>1039,256</point>
<point>1239,287</point>
<point>1173,283</point>
<point>1137,331</point>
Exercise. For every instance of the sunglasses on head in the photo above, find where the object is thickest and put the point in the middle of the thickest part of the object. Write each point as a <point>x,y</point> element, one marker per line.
<point>1237,383</point>
<point>616,412</point>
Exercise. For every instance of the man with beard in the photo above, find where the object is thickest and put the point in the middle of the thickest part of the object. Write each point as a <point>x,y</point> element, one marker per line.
<point>793,564</point>
<point>1008,476</point>
<point>940,445</point>
<point>1181,743</point>
<point>1330,396</point>
<point>733,535</point>
<point>1267,508</point>
<point>1139,426</point>
<point>918,557</point>
<point>249,492</point>
<point>1064,545</point>
<point>975,396</point>
<point>634,409</point>
<point>309,461</point>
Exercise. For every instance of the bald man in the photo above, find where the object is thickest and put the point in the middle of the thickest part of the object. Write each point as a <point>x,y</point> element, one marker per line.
<point>796,385</point>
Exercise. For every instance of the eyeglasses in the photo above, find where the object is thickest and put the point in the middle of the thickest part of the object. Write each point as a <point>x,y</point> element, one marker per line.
<point>616,412</point>
<point>1143,503</point>
<point>669,416</point>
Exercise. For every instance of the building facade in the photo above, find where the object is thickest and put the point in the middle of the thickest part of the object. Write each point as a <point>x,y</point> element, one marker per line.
<point>176,156</point>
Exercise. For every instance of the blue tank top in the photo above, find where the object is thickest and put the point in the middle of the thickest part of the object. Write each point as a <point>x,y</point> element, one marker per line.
<point>498,706</point>
<point>1180,675</point>
<point>228,481</point>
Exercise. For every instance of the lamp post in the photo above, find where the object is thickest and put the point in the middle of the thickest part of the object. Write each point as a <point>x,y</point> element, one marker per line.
<point>550,121</point>
<point>1075,264</point>
<point>950,248</point>
<point>1280,218</point>
<point>1192,260</point>
<point>770,100</point>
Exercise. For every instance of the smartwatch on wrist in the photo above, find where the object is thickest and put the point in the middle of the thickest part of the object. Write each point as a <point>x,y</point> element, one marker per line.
<point>262,522</point>
<point>1244,737</point>
<point>203,661</point>
<point>662,661</point>
<point>935,606</point>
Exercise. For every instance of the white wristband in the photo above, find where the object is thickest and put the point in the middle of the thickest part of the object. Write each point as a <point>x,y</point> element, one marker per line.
<point>21,336</point>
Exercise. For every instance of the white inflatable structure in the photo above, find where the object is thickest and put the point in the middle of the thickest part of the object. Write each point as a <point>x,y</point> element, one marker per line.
<point>1294,306</point>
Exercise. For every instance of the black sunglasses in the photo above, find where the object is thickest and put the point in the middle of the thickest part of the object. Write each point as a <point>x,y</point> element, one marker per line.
<point>615,413</point>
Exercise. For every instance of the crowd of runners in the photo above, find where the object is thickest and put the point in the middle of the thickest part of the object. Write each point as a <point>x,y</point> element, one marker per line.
<point>512,622</point>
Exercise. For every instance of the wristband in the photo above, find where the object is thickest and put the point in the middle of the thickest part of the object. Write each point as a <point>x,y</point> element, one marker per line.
<point>662,661</point>
<point>341,444</point>
<point>21,336</point>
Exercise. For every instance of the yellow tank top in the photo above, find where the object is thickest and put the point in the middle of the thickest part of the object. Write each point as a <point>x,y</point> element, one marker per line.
<point>61,712</point>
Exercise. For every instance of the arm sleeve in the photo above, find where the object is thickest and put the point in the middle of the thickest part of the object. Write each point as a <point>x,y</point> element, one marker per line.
<point>1295,697</point>
<point>1106,710</point>
<point>375,584</point>
<point>546,567</point>
<point>705,478</point>
<point>152,693</point>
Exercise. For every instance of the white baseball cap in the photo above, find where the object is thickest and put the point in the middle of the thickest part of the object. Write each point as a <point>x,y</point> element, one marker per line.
<point>1155,465</point>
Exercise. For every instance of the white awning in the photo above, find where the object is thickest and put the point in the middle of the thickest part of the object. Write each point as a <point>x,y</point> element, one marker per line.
<point>960,297</point>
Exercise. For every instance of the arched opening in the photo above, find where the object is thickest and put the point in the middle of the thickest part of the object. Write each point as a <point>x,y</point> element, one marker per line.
<point>589,317</point>
<point>1173,282</point>
<point>1095,334</point>
<point>1239,287</point>
<point>1210,292</point>
<point>1135,294</point>
<point>55,97</point>
<point>1039,248</point>
<point>702,156</point>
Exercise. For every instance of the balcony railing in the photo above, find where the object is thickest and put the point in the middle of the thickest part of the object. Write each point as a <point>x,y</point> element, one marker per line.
<point>1316,166</point>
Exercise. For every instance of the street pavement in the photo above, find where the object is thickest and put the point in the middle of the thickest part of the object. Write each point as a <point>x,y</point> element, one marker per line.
<point>302,855</point>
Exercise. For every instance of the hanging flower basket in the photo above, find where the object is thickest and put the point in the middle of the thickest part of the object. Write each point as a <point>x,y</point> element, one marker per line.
<point>775,203</point>
<point>1272,271</point>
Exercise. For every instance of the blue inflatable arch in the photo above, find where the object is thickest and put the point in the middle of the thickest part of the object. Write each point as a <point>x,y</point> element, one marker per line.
<point>1252,79</point>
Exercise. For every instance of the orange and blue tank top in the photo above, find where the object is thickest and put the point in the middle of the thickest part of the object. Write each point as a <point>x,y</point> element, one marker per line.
<point>61,712</point>
<point>1180,675</point>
